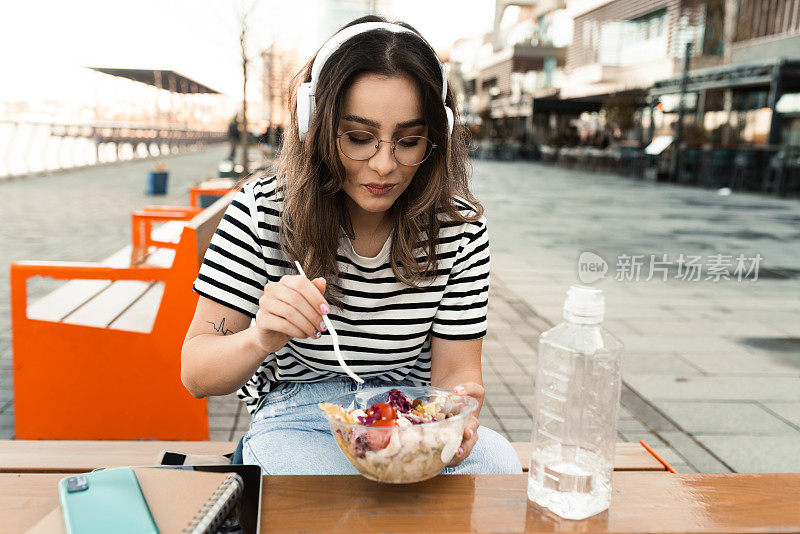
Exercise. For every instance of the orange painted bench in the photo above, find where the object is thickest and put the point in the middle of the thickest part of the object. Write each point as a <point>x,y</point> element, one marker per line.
<point>198,193</point>
<point>99,357</point>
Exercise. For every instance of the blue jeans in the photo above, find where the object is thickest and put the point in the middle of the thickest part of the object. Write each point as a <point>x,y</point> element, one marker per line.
<point>289,435</point>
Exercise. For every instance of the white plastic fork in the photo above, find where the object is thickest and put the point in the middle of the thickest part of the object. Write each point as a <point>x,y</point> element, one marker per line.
<point>334,337</point>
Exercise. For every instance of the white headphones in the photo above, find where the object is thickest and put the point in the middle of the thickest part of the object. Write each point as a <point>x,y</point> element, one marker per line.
<point>305,92</point>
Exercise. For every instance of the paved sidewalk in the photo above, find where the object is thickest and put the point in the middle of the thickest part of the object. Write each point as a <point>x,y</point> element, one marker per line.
<point>712,369</point>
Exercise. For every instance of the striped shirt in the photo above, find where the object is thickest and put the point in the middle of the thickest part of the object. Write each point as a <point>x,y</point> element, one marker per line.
<point>384,326</point>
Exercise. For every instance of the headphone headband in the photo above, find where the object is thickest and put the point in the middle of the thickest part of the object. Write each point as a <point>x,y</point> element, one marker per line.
<point>306,91</point>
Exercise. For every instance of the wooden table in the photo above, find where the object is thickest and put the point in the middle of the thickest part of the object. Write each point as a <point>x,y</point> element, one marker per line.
<point>642,502</point>
<point>78,456</point>
<point>65,456</point>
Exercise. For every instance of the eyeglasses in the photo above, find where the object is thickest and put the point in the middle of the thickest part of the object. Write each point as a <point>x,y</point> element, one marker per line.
<point>410,151</point>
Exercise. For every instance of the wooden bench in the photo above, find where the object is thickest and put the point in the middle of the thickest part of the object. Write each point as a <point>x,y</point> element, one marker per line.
<point>19,456</point>
<point>99,357</point>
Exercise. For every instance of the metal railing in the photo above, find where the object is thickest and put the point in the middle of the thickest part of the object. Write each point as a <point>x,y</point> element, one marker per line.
<point>31,147</point>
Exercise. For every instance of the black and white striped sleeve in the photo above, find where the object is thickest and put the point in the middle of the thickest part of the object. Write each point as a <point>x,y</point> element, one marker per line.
<point>233,272</point>
<point>462,312</point>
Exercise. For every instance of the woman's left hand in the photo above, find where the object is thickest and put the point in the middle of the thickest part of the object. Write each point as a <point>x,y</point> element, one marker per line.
<point>475,390</point>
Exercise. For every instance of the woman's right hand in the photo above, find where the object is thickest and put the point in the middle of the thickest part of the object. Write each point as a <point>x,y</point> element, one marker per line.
<point>290,308</point>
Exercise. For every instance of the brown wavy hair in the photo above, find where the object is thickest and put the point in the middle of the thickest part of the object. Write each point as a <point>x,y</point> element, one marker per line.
<point>311,175</point>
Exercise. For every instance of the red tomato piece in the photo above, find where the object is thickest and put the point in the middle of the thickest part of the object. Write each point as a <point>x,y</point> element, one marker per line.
<point>385,412</point>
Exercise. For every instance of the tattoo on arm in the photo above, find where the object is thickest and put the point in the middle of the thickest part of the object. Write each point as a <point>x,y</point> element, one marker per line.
<point>221,328</point>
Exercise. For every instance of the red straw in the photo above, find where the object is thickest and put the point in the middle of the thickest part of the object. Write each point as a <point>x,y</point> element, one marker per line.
<point>658,457</point>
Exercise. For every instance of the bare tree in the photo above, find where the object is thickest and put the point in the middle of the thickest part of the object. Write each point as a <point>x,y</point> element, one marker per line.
<point>244,18</point>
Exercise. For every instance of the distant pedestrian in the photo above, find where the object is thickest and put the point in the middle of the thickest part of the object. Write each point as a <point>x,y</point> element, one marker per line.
<point>264,142</point>
<point>233,136</point>
<point>263,139</point>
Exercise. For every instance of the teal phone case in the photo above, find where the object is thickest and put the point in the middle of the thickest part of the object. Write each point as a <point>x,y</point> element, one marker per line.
<point>112,502</point>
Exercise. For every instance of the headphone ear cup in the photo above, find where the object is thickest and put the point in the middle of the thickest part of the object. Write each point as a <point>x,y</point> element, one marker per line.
<point>303,109</point>
<point>450,119</point>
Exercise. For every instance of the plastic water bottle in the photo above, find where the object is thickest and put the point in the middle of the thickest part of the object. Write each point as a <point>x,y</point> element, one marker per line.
<point>576,400</point>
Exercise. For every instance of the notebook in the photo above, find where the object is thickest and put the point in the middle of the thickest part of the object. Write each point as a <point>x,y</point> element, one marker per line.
<point>189,501</point>
<point>181,501</point>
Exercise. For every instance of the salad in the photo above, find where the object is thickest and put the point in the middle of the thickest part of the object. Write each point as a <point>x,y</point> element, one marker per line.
<point>391,442</point>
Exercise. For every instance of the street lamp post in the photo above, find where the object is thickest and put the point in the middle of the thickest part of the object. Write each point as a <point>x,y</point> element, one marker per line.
<point>675,160</point>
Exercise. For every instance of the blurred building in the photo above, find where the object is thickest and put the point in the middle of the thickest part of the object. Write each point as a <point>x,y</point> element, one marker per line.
<point>499,74</point>
<point>752,96</point>
<point>591,67</point>
<point>279,66</point>
<point>620,48</point>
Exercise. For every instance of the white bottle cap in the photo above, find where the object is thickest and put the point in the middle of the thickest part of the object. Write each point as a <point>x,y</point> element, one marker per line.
<point>584,305</point>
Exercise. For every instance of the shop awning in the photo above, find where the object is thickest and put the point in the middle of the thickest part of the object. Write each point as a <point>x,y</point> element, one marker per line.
<point>731,76</point>
<point>163,79</point>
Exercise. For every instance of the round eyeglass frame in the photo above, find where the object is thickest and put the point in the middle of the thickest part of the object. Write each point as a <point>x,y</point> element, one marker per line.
<point>393,142</point>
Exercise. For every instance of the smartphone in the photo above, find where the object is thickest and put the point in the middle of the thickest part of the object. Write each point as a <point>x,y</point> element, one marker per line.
<point>105,501</point>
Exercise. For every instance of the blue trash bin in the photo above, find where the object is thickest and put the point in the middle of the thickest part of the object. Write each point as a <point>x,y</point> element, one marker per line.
<point>157,183</point>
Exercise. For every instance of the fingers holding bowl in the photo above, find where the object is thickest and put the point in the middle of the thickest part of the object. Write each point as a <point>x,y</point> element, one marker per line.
<point>468,440</point>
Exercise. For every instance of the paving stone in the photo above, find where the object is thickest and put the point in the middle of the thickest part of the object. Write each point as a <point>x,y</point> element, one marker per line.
<point>227,405</point>
<point>790,411</point>
<point>663,327</point>
<point>650,437</point>
<point>241,429</point>
<point>526,399</point>
<point>724,418</point>
<point>707,388</point>
<point>664,363</point>
<point>749,363</point>
<point>502,400</point>
<point>697,455</point>
<point>665,343</point>
<point>683,468</point>
<point>631,426</point>
<point>220,435</point>
<point>746,454</point>
<point>222,422</point>
<point>503,411</point>
<point>504,364</point>
<point>517,424</point>
<point>669,455</point>
<point>518,381</point>
<point>518,436</point>
<point>486,419</point>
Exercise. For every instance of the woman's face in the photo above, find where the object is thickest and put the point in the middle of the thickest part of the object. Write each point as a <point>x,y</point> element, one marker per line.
<point>389,108</point>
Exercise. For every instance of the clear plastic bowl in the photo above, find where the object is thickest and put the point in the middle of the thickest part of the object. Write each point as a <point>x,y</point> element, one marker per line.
<point>401,455</point>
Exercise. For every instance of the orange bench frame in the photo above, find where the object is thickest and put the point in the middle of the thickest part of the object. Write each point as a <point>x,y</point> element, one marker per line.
<point>142,226</point>
<point>81,382</point>
<point>195,193</point>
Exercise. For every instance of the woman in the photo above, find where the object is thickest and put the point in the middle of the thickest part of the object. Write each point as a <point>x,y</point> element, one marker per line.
<point>372,199</point>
